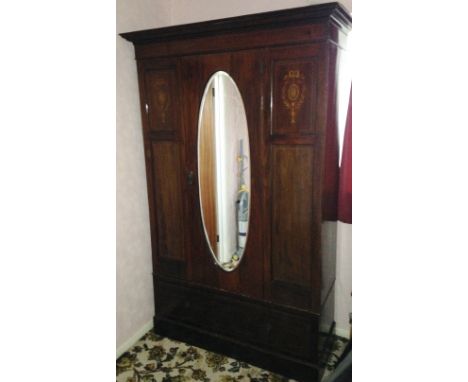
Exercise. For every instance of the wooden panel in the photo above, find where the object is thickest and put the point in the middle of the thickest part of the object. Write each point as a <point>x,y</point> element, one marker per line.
<point>294,90</point>
<point>292,204</point>
<point>169,194</point>
<point>291,294</point>
<point>172,267</point>
<point>214,311</point>
<point>283,330</point>
<point>331,149</point>
<point>162,100</point>
<point>247,71</point>
<point>196,71</point>
<point>216,43</point>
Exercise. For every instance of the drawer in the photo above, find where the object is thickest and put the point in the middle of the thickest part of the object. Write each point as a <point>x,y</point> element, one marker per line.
<point>219,313</point>
<point>293,334</point>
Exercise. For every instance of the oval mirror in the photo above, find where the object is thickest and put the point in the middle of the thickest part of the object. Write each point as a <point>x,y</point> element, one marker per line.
<point>224,170</point>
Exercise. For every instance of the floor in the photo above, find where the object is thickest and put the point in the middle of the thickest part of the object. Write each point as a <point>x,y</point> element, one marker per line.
<point>157,359</point>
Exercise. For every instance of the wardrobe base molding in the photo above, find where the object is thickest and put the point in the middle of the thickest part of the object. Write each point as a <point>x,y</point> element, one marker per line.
<point>277,338</point>
<point>275,362</point>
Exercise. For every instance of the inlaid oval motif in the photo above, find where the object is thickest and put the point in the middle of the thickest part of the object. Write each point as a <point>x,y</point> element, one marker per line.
<point>224,170</point>
<point>162,99</point>
<point>293,92</point>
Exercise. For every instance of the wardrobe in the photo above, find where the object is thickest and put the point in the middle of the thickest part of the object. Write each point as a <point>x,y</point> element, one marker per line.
<point>262,291</point>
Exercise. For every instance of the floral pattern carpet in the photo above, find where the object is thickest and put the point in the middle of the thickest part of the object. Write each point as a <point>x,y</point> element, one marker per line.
<point>158,359</point>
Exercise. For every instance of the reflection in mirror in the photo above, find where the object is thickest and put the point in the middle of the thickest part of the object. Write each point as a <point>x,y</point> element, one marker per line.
<point>224,170</point>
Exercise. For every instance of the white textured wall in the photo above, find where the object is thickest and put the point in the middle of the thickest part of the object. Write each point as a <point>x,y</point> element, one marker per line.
<point>135,306</point>
<point>186,11</point>
<point>343,283</point>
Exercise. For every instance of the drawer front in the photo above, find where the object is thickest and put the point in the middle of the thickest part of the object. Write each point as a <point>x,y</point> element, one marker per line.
<point>212,311</point>
<point>273,328</point>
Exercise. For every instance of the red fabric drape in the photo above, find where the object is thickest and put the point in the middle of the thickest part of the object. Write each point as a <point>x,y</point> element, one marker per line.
<point>345,191</point>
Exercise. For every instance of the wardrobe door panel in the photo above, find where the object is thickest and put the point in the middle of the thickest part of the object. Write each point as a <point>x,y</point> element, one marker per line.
<point>247,70</point>
<point>169,196</point>
<point>292,208</point>
<point>164,145</point>
<point>294,234</point>
<point>162,101</point>
<point>196,72</point>
<point>295,161</point>
<point>294,83</point>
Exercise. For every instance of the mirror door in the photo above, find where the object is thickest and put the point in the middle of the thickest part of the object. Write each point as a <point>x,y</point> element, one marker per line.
<point>224,170</point>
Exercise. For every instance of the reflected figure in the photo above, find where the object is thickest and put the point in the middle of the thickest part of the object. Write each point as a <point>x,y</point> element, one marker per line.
<point>224,170</point>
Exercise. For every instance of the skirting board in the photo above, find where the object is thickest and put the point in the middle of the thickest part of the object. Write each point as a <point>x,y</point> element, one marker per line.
<point>340,332</point>
<point>344,333</point>
<point>133,339</point>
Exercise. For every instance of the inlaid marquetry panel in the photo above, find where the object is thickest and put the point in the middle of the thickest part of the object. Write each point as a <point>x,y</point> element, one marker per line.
<point>162,101</point>
<point>294,92</point>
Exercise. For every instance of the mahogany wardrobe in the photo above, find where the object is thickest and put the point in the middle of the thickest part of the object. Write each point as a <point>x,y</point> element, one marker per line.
<point>239,122</point>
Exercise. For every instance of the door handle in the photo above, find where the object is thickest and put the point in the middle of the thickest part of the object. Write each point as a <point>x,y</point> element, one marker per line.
<point>190,177</point>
